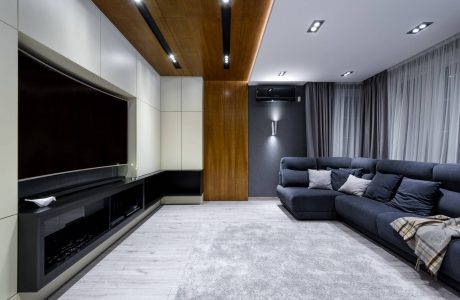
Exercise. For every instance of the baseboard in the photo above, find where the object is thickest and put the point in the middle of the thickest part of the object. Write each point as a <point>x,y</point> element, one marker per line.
<point>168,200</point>
<point>263,198</point>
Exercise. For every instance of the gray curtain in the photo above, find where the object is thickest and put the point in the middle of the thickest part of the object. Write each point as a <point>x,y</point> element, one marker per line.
<point>319,118</point>
<point>375,118</point>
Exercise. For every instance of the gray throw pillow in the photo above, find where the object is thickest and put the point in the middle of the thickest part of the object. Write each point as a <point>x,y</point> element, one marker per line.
<point>355,186</point>
<point>319,179</point>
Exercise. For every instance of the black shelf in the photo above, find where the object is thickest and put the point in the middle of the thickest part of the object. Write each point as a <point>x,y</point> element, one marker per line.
<point>51,239</point>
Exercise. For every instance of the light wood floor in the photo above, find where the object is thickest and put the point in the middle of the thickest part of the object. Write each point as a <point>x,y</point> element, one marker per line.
<point>149,263</point>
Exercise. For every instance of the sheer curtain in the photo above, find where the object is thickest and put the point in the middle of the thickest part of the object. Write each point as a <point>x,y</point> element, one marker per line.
<point>347,120</point>
<point>424,106</point>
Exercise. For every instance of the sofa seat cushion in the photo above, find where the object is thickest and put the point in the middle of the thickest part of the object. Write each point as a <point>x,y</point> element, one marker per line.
<point>450,265</point>
<point>302,199</point>
<point>386,232</point>
<point>361,211</point>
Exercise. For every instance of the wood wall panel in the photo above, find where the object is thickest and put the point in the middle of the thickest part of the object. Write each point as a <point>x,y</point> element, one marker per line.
<point>226,140</point>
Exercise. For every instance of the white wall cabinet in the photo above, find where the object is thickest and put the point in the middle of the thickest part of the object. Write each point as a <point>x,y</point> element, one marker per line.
<point>8,120</point>
<point>171,141</point>
<point>71,28</point>
<point>171,91</point>
<point>192,140</point>
<point>118,58</point>
<point>192,94</point>
<point>8,256</point>
<point>148,83</point>
<point>9,12</point>
<point>182,148</point>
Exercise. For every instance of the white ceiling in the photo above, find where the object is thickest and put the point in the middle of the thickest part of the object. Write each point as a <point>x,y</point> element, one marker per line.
<point>365,36</point>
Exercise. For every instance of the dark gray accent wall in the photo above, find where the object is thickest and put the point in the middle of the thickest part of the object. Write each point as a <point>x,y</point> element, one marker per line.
<point>265,151</point>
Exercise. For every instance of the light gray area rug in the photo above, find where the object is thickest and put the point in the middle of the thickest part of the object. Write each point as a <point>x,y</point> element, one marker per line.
<point>298,260</point>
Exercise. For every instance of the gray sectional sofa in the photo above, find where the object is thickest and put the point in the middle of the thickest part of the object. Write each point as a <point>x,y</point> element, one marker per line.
<point>369,216</point>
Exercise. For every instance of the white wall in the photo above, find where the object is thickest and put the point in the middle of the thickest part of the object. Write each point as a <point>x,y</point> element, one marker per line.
<point>77,37</point>
<point>181,123</point>
<point>8,147</point>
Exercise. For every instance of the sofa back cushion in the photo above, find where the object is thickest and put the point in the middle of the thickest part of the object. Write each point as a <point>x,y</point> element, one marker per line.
<point>333,162</point>
<point>294,171</point>
<point>298,163</point>
<point>449,204</point>
<point>449,176</point>
<point>293,178</point>
<point>367,164</point>
<point>411,169</point>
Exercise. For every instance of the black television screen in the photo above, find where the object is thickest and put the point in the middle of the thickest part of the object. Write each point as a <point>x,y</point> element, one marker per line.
<point>66,125</point>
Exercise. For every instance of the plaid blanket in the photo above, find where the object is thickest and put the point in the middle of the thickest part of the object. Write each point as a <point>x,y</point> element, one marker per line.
<point>429,237</point>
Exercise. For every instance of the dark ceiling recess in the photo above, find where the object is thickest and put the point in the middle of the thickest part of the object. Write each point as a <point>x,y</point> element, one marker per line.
<point>156,31</point>
<point>226,24</point>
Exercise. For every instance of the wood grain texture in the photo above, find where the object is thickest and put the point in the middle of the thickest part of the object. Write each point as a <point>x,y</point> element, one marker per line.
<point>226,140</point>
<point>194,33</point>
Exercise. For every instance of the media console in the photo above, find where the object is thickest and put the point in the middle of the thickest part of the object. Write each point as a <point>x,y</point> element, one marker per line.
<point>51,239</point>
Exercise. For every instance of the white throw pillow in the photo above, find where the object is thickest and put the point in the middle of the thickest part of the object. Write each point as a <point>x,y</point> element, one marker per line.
<point>319,179</point>
<point>355,186</point>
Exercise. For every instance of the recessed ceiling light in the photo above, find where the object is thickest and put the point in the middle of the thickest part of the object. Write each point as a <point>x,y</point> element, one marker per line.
<point>225,2</point>
<point>226,59</point>
<point>347,73</point>
<point>282,73</point>
<point>315,26</point>
<point>419,27</point>
<point>173,58</point>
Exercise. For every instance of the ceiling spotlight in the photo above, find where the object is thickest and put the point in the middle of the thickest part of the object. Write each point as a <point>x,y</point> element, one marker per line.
<point>225,2</point>
<point>419,27</point>
<point>173,58</point>
<point>138,1</point>
<point>226,59</point>
<point>347,73</point>
<point>282,73</point>
<point>315,26</point>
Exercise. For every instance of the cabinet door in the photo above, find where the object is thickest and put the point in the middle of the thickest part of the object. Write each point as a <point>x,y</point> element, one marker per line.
<point>71,28</point>
<point>8,120</point>
<point>148,83</point>
<point>171,90</point>
<point>171,140</point>
<point>9,12</point>
<point>8,256</point>
<point>192,94</point>
<point>192,141</point>
<point>148,139</point>
<point>118,58</point>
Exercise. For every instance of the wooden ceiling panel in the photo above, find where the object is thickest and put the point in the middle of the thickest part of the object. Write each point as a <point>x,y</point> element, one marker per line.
<point>193,31</point>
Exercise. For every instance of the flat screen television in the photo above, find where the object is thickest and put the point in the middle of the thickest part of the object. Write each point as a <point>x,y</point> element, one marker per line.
<point>66,125</point>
